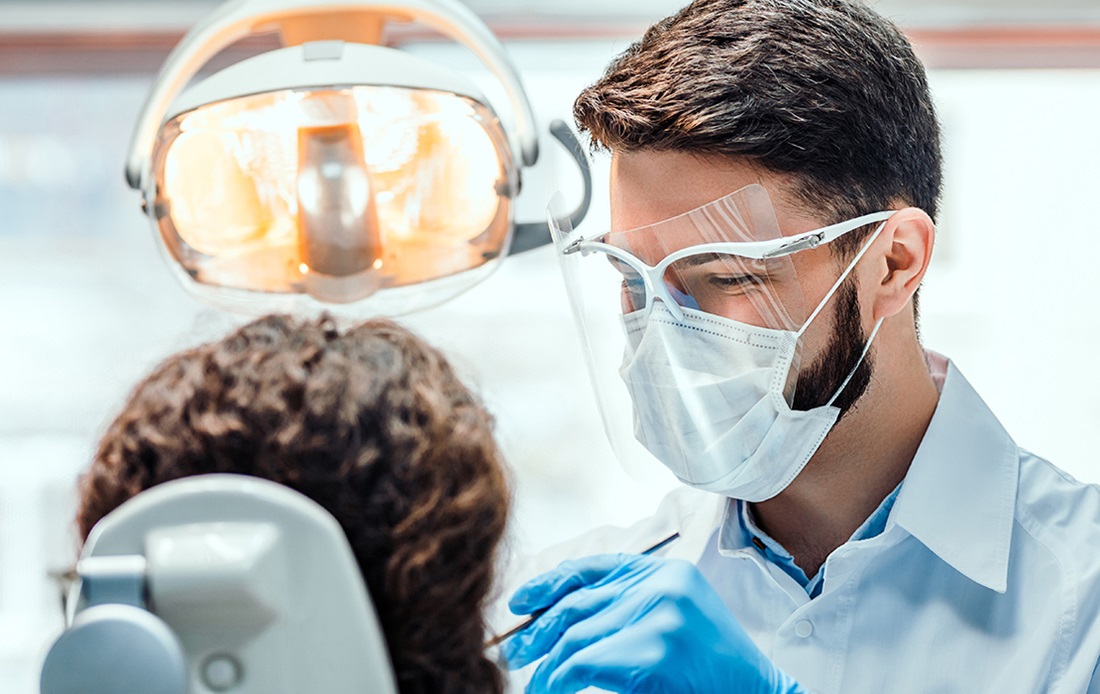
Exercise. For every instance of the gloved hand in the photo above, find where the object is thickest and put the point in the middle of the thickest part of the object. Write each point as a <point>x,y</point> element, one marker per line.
<point>630,623</point>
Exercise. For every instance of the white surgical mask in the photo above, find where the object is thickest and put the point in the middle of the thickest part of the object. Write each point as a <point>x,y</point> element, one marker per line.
<point>733,435</point>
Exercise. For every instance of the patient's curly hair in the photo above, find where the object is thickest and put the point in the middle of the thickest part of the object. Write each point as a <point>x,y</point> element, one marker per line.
<point>372,424</point>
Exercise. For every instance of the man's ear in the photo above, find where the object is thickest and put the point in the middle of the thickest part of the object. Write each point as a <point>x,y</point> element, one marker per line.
<point>906,242</point>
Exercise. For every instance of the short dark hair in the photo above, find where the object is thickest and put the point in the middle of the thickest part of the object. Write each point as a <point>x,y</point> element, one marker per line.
<point>825,90</point>
<point>372,424</point>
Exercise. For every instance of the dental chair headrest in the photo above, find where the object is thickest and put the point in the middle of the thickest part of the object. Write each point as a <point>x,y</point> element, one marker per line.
<point>219,583</point>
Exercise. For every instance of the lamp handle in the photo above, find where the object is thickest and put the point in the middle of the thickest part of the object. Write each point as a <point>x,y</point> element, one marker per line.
<point>531,235</point>
<point>238,19</point>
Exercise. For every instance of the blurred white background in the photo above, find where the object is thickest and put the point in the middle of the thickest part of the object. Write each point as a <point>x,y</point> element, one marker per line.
<point>87,306</point>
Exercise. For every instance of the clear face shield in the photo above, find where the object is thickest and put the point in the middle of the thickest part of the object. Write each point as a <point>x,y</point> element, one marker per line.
<point>693,331</point>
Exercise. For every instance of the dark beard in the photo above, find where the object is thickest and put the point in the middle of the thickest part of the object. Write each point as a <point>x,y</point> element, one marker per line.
<point>817,383</point>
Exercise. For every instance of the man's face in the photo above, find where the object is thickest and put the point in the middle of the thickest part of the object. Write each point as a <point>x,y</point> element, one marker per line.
<point>649,187</point>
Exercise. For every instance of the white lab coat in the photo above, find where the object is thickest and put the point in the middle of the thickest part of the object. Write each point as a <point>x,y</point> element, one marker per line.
<point>986,578</point>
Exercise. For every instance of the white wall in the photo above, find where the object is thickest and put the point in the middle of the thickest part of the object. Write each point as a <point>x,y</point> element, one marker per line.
<point>86,306</point>
<point>1012,294</point>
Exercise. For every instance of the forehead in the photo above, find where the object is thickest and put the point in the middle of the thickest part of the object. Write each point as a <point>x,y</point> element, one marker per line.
<point>648,187</point>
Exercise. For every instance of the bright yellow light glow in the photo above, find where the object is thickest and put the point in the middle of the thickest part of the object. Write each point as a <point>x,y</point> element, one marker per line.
<point>448,188</point>
<point>232,183</point>
<point>241,216</point>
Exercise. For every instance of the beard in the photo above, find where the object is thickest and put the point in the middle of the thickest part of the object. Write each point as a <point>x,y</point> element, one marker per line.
<point>819,381</point>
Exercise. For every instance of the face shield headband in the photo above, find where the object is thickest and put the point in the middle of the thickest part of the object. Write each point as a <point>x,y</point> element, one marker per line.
<point>706,375</point>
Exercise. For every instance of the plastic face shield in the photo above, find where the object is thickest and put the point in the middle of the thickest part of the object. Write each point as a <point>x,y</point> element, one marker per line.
<point>728,260</point>
<point>336,193</point>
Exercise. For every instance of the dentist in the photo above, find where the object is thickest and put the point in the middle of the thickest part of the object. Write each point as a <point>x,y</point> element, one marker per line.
<point>855,518</point>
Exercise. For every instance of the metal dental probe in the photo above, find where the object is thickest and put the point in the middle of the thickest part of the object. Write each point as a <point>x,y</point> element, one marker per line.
<point>538,613</point>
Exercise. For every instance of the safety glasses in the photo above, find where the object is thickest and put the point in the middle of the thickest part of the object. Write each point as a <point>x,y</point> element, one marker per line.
<point>707,276</point>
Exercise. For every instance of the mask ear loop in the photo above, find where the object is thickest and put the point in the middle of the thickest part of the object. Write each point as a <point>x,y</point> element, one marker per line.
<point>829,295</point>
<point>866,349</point>
<point>840,280</point>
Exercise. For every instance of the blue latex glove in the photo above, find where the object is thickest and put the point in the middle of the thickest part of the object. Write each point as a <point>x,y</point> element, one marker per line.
<point>630,623</point>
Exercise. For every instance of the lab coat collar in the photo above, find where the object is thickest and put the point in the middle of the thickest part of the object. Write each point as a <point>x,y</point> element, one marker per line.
<point>959,496</point>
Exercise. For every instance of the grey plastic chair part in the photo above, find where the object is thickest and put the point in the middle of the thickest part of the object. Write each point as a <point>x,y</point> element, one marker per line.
<point>115,649</point>
<point>112,580</point>
<point>255,582</point>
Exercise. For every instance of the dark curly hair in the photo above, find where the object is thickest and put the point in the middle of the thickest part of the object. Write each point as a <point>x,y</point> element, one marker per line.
<point>373,425</point>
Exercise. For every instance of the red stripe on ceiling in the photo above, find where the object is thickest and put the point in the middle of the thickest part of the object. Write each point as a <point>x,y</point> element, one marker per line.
<point>989,47</point>
<point>1009,47</point>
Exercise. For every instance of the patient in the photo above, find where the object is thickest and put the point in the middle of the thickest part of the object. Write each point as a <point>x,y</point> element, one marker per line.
<point>374,426</point>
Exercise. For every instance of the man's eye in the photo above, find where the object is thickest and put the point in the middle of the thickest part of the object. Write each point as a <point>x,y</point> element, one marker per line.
<point>735,281</point>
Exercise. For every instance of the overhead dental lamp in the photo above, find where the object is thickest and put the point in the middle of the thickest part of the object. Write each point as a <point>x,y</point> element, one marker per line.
<point>218,583</point>
<point>336,171</point>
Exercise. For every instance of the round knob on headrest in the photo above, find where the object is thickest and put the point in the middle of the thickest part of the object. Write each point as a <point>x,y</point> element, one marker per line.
<point>115,649</point>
